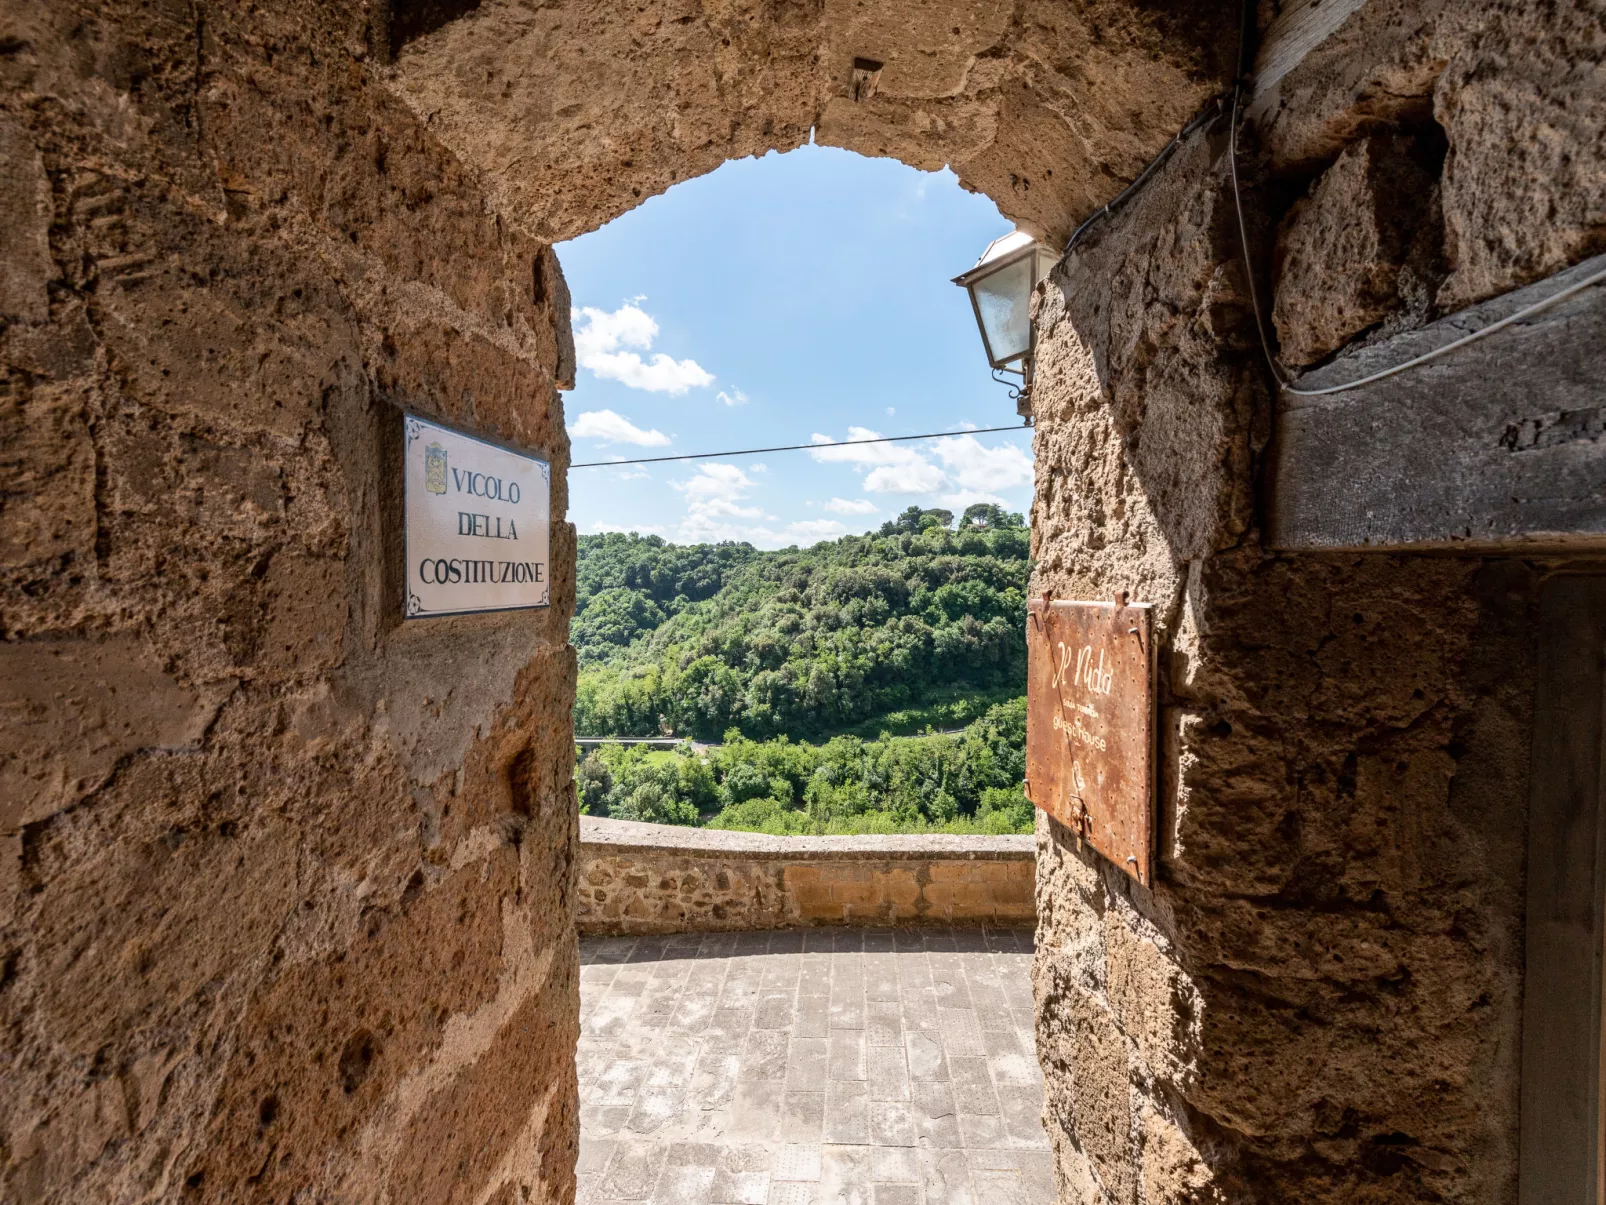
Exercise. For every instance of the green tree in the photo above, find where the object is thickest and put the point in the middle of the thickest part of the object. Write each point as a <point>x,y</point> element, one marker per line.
<point>989,515</point>
<point>615,617</point>
<point>593,781</point>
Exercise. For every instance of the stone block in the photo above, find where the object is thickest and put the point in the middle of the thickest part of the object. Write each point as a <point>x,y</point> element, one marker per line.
<point>80,706</point>
<point>845,872</point>
<point>1097,1094</point>
<point>1173,1169</point>
<point>901,888</point>
<point>969,898</point>
<point>25,208</point>
<point>1356,250</point>
<point>901,910</point>
<point>1524,186</point>
<point>814,901</point>
<point>1016,894</point>
<point>49,465</point>
<point>863,895</point>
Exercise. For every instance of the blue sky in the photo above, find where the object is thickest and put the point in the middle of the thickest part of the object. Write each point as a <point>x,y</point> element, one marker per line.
<point>776,301</point>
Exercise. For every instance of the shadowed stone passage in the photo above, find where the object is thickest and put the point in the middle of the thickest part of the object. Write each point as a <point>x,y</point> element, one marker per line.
<point>811,1067</point>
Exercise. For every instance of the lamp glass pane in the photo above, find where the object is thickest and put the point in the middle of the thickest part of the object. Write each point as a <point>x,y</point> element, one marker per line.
<point>1002,299</point>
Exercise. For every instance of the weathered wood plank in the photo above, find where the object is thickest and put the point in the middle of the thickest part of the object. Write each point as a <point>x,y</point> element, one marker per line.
<point>1500,445</point>
<point>1298,29</point>
<point>1561,1012</point>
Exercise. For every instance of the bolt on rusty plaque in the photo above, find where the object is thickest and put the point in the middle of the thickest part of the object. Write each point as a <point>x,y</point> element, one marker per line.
<point>1090,726</point>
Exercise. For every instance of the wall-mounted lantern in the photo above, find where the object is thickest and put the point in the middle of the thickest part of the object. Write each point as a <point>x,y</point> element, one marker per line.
<point>1000,288</point>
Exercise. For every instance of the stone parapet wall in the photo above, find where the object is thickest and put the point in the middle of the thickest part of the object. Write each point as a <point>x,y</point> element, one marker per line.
<point>657,878</point>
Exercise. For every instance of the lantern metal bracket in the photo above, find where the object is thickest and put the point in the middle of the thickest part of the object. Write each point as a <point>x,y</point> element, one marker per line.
<point>1020,394</point>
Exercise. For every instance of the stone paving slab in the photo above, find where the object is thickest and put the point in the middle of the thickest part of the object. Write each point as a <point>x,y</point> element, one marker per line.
<point>811,1067</point>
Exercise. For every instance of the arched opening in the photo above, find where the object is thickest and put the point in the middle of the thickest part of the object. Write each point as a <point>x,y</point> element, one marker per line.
<point>796,620</point>
<point>1001,97</point>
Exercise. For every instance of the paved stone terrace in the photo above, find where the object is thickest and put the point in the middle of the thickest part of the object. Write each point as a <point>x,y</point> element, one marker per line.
<point>811,1067</point>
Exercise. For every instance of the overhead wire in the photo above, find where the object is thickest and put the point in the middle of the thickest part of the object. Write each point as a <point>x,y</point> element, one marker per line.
<point>840,443</point>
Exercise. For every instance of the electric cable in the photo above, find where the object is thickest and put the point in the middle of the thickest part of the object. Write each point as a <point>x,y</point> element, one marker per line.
<point>1210,113</point>
<point>1284,382</point>
<point>841,443</point>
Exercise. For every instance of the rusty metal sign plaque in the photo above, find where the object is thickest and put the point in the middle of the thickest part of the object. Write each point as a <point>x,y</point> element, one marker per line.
<point>1090,725</point>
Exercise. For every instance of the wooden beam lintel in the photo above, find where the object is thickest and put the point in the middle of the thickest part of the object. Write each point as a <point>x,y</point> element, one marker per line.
<point>1497,446</point>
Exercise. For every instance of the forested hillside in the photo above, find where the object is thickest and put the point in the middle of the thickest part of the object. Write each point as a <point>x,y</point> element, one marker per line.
<point>919,623</point>
<point>853,645</point>
<point>967,782</point>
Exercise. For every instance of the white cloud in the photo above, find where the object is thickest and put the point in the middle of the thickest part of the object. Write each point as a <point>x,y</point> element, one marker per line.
<point>627,326</point>
<point>893,468</point>
<point>614,428</point>
<point>922,477</point>
<point>599,336</point>
<point>811,531</point>
<point>718,508</point>
<point>713,498</point>
<point>973,466</point>
<point>851,506</point>
<point>715,481</point>
<point>734,398</point>
<point>866,455</point>
<point>968,466</point>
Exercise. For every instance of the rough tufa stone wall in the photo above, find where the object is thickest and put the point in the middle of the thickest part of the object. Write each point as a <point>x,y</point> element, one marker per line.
<point>285,884</point>
<point>655,878</point>
<point>285,892</point>
<point>1512,90</point>
<point>1320,999</point>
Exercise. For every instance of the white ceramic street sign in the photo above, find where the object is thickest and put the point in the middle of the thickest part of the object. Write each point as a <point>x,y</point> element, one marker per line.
<point>478,524</point>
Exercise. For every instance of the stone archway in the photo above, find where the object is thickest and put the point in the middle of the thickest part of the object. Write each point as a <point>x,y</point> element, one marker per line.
<point>1319,1000</point>
<point>574,115</point>
<point>285,882</point>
